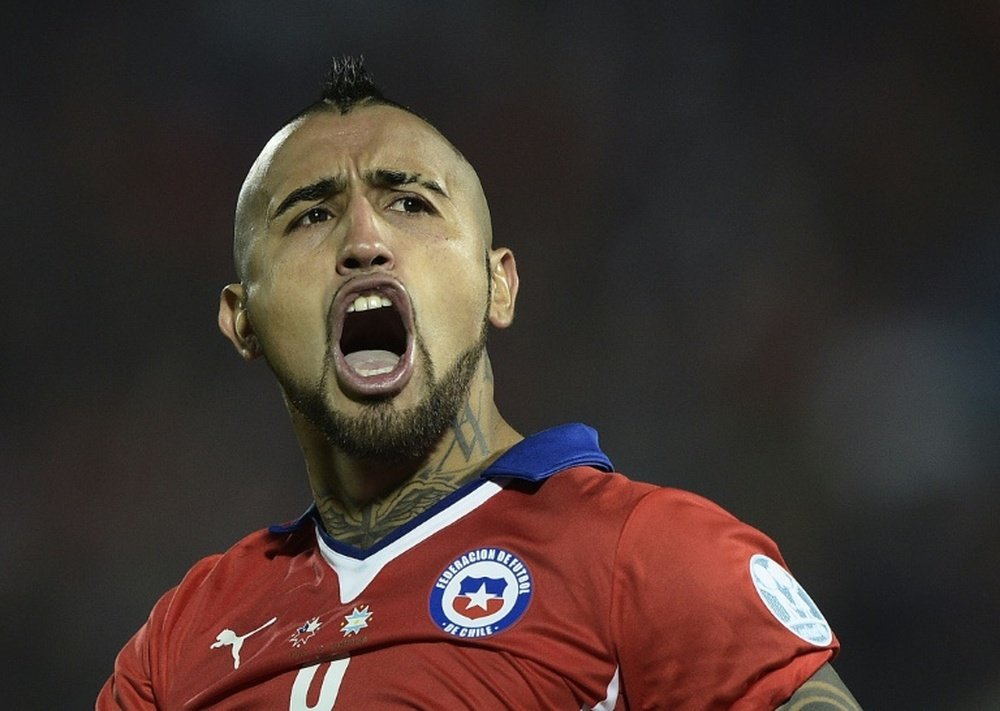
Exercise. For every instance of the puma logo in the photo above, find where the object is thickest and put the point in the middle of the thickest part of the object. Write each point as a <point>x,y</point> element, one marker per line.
<point>227,636</point>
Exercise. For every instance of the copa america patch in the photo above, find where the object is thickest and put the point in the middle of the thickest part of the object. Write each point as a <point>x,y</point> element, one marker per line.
<point>481,593</point>
<point>788,601</point>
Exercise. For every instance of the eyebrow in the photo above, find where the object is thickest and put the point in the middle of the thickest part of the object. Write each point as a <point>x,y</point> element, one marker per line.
<point>324,188</point>
<point>386,178</point>
<point>320,190</point>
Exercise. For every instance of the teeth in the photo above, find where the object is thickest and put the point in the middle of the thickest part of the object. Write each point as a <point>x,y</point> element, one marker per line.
<point>373,371</point>
<point>366,302</point>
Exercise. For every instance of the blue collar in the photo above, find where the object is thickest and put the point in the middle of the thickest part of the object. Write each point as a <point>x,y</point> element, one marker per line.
<point>541,455</point>
<point>535,458</point>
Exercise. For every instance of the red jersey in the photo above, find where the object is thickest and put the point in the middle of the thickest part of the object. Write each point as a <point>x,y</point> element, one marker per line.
<point>549,583</point>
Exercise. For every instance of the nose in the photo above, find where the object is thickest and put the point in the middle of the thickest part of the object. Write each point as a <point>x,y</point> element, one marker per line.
<point>365,247</point>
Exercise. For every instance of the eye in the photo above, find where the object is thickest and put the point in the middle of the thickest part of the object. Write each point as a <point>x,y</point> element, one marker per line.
<point>410,204</point>
<point>312,217</point>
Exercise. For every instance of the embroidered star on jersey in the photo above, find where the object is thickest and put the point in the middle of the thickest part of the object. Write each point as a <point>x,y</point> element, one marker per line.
<point>304,633</point>
<point>356,621</point>
<point>479,598</point>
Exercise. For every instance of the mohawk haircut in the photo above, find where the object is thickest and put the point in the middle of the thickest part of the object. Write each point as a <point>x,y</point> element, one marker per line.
<point>349,84</point>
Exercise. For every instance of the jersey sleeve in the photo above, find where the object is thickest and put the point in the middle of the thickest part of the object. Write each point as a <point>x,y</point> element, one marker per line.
<point>705,615</point>
<point>130,686</point>
<point>143,662</point>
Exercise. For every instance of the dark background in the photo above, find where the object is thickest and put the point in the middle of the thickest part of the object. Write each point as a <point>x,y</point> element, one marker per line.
<point>759,252</point>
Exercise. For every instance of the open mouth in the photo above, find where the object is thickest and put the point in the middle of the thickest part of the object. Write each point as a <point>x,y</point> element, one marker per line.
<point>373,354</point>
<point>373,338</point>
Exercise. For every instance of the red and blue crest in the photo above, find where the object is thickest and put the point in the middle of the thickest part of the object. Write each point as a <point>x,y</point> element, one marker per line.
<point>480,593</point>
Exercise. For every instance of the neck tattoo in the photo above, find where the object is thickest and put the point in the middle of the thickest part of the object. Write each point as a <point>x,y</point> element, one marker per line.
<point>464,458</point>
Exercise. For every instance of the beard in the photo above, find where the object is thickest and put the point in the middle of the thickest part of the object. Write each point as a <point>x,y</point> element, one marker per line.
<point>382,433</point>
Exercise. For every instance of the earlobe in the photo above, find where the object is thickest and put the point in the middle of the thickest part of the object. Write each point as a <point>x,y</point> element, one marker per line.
<point>235,323</point>
<point>503,272</point>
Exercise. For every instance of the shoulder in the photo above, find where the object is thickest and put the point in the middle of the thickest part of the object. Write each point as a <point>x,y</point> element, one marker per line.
<point>704,608</point>
<point>590,487</point>
<point>584,500</point>
<point>691,552</point>
<point>617,523</point>
<point>220,581</point>
<point>261,549</point>
<point>678,515</point>
<point>640,508</point>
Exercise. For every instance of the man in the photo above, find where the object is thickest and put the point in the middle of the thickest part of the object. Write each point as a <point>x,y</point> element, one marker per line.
<point>447,562</point>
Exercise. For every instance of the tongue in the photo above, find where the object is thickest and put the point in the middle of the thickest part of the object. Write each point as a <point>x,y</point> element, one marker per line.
<point>373,362</point>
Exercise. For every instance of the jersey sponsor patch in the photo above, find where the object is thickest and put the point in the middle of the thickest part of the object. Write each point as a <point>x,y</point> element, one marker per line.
<point>788,601</point>
<point>481,593</point>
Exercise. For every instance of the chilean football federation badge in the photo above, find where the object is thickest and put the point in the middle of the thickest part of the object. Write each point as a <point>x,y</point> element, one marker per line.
<point>481,593</point>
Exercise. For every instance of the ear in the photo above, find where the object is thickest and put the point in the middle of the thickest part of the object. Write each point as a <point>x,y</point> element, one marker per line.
<point>503,274</point>
<point>235,323</point>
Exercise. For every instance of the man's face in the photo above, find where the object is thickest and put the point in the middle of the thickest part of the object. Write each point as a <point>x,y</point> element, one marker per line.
<point>367,269</point>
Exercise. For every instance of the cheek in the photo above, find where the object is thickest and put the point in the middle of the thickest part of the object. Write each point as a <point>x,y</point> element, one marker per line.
<point>455,308</point>
<point>290,324</point>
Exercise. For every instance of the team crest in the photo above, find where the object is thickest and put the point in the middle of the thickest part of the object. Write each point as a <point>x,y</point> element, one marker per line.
<point>481,593</point>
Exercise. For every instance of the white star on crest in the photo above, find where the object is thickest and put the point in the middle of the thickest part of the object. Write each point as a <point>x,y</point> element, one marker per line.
<point>479,598</point>
<point>356,621</point>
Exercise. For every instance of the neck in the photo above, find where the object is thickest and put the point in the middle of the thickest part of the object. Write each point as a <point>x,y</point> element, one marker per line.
<point>361,501</point>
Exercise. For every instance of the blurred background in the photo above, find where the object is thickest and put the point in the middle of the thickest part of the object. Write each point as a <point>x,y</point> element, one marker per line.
<point>759,249</point>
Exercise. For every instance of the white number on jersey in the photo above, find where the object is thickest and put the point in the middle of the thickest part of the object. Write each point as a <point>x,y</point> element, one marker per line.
<point>328,691</point>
